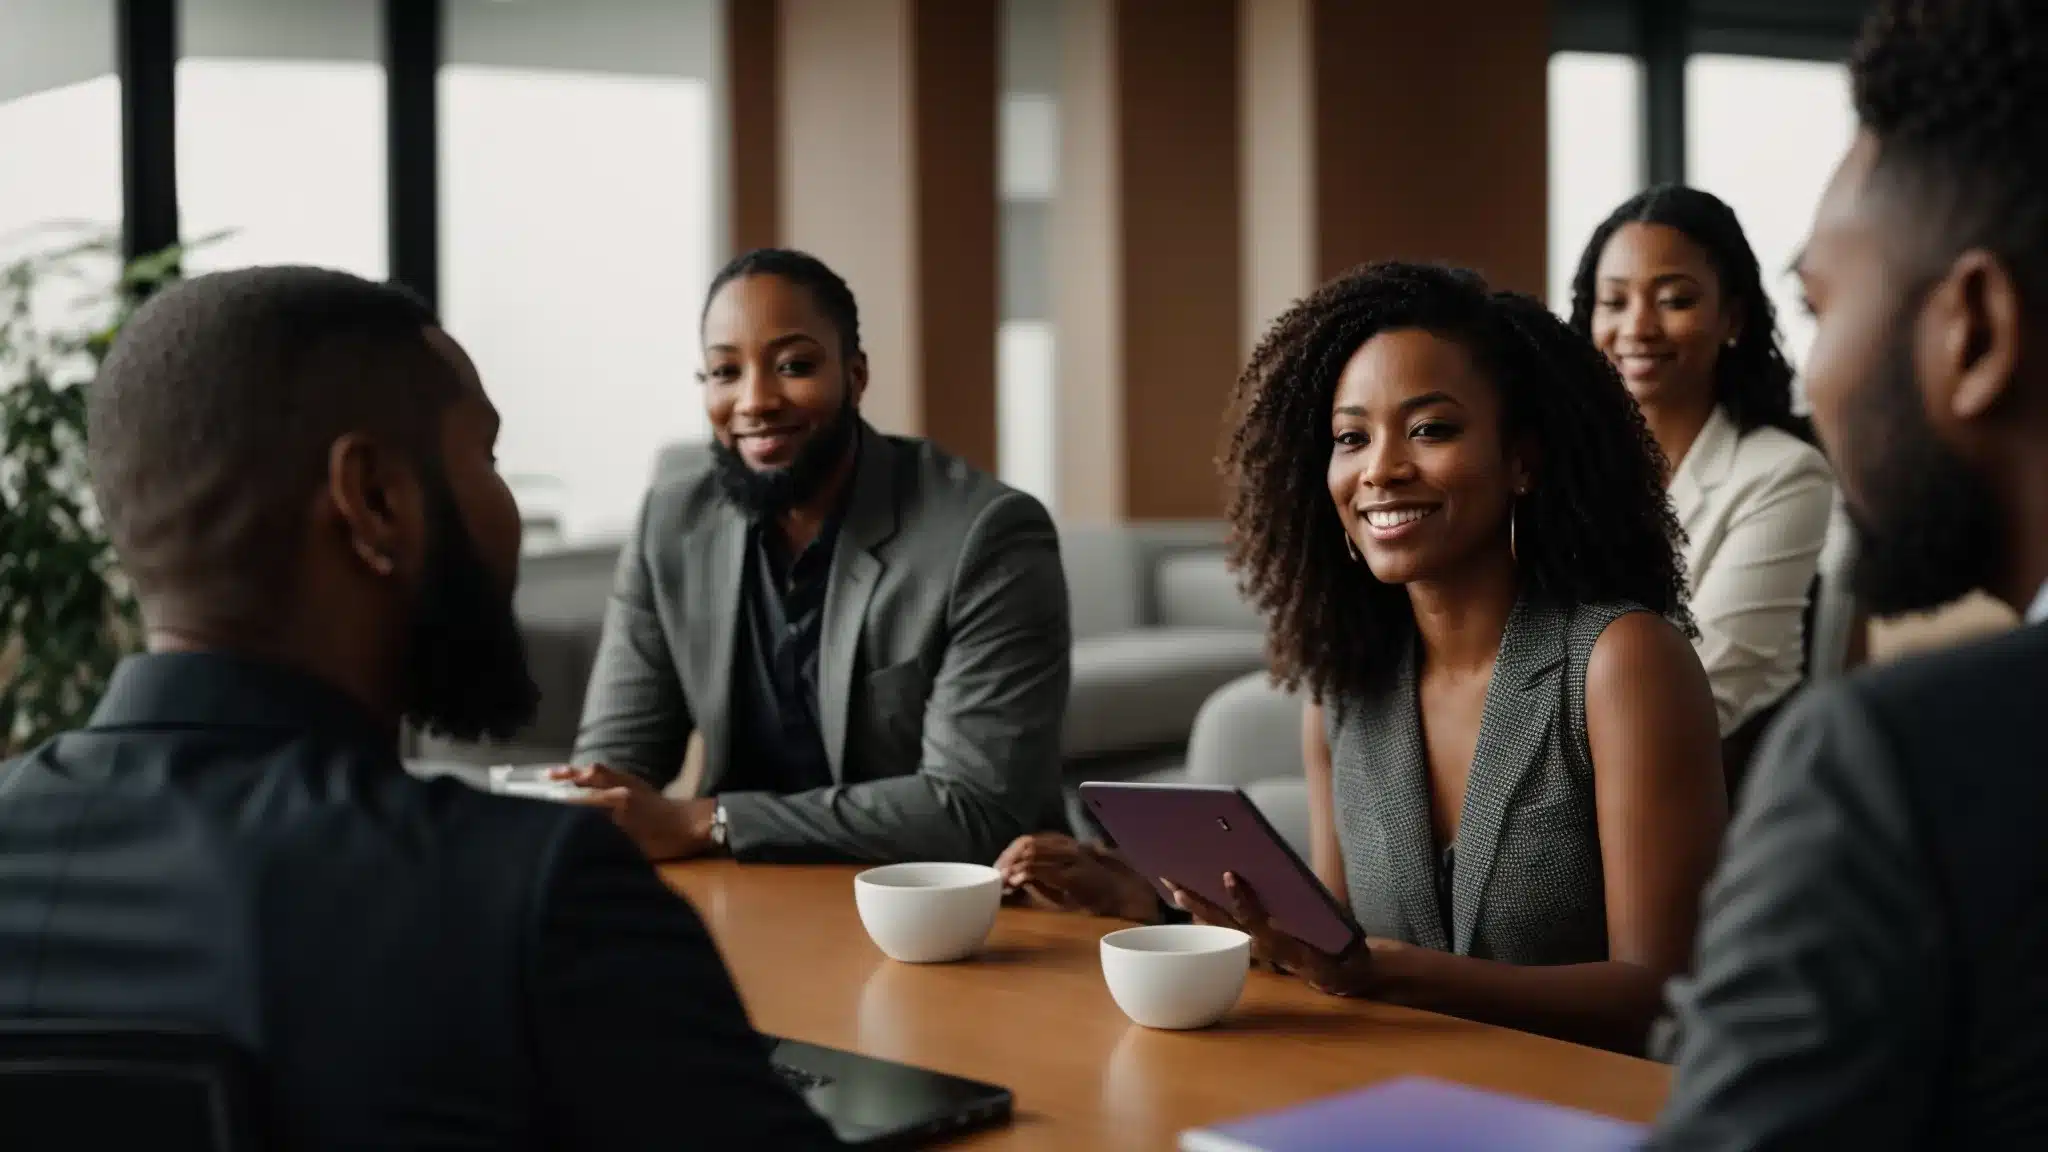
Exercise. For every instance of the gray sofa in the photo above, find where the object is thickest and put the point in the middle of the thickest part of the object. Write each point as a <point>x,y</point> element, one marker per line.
<point>1158,628</point>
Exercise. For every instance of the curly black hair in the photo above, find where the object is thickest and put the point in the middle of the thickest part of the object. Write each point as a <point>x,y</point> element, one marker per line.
<point>1597,525</point>
<point>1956,94</point>
<point>1752,379</point>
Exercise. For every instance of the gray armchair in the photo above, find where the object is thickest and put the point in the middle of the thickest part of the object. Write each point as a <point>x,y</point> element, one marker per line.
<point>1158,628</point>
<point>1249,734</point>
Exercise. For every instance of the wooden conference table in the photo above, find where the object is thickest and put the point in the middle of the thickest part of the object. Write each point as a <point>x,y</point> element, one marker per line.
<point>1031,1013</point>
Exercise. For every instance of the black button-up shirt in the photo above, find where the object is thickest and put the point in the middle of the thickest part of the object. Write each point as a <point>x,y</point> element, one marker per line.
<point>235,846</point>
<point>775,664</point>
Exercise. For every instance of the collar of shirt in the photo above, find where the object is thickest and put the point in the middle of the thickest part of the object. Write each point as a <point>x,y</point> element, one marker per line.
<point>786,567</point>
<point>219,690</point>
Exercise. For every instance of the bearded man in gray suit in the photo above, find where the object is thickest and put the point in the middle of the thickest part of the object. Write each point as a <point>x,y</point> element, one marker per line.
<point>870,635</point>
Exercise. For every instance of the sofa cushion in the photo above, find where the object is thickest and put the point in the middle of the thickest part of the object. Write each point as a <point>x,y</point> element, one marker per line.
<point>1103,587</point>
<point>1196,589</point>
<point>1248,731</point>
<point>1284,804</point>
<point>1141,689</point>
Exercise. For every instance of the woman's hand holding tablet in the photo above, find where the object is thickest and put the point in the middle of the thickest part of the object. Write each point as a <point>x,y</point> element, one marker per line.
<point>1190,837</point>
<point>1349,974</point>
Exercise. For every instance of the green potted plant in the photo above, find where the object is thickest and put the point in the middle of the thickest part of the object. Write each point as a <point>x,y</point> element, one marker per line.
<point>66,616</point>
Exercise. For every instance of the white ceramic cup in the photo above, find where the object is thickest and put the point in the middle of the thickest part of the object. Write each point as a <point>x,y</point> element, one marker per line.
<point>1176,975</point>
<point>928,913</point>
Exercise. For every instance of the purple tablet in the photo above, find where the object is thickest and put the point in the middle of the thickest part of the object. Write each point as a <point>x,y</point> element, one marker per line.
<point>1191,834</point>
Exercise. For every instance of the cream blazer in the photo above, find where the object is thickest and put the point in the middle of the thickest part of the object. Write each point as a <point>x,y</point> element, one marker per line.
<point>1755,507</point>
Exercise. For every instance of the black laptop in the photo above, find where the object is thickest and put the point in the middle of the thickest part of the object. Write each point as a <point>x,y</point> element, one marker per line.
<point>877,1104</point>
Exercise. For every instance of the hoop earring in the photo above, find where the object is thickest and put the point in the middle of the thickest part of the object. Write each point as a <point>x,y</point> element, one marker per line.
<point>1514,522</point>
<point>1351,546</point>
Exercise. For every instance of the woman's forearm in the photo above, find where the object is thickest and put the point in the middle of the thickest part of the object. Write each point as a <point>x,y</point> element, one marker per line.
<point>1610,1004</point>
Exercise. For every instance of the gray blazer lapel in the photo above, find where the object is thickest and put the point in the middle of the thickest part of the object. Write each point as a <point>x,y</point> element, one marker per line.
<point>871,519</point>
<point>1400,778</point>
<point>714,558</point>
<point>1511,745</point>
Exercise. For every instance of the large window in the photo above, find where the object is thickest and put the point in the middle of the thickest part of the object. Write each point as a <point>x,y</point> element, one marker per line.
<point>1764,135</point>
<point>281,133</point>
<point>1025,404</point>
<point>1596,153</point>
<point>60,123</point>
<point>1028,145</point>
<point>577,201</point>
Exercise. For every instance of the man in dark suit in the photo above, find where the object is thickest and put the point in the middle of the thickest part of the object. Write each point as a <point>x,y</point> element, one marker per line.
<point>295,468</point>
<point>1873,965</point>
<point>870,636</point>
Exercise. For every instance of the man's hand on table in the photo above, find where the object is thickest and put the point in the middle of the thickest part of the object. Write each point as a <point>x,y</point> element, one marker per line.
<point>664,829</point>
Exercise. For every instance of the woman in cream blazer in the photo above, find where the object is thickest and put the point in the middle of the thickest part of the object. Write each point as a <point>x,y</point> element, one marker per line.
<point>1670,291</point>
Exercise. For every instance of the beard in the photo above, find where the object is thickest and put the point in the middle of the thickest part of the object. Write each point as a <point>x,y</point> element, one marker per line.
<point>1927,533</point>
<point>466,672</point>
<point>773,491</point>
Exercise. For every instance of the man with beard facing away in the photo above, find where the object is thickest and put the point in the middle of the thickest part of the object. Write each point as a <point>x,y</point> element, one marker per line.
<point>870,636</point>
<point>1873,966</point>
<point>295,468</point>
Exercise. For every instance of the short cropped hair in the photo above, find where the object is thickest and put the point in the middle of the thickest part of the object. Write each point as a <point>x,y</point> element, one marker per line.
<point>209,424</point>
<point>1956,94</point>
<point>828,291</point>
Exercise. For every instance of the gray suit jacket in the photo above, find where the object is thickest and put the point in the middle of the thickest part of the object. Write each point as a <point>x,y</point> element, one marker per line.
<point>1873,958</point>
<point>943,664</point>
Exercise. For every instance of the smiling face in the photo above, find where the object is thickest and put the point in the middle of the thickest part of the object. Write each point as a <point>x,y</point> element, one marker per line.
<point>1419,471</point>
<point>1658,314</point>
<point>779,390</point>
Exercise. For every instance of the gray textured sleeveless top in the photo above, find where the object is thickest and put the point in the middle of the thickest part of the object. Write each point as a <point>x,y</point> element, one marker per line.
<point>1524,884</point>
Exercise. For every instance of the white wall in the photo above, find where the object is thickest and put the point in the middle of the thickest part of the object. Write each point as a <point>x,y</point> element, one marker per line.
<point>578,187</point>
<point>60,138</point>
<point>1028,150</point>
<point>1596,153</point>
<point>1765,135</point>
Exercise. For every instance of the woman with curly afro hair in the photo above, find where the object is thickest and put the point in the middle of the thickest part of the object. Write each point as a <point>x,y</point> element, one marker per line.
<point>1453,517</point>
<point>1670,291</point>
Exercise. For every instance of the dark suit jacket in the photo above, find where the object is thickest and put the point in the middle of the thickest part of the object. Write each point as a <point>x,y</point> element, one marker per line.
<point>943,664</point>
<point>415,965</point>
<point>1873,963</point>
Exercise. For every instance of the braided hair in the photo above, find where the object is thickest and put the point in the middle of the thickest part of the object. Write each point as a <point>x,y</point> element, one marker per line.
<point>1956,94</point>
<point>828,291</point>
<point>1752,379</point>
<point>1595,527</point>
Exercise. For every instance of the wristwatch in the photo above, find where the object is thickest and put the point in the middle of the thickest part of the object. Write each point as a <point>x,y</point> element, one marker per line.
<point>719,828</point>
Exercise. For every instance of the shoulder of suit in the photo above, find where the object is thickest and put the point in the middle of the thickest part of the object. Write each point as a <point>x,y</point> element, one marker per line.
<point>1603,611</point>
<point>1775,454</point>
<point>677,502</point>
<point>1587,624</point>
<point>1969,676</point>
<point>943,493</point>
<point>507,828</point>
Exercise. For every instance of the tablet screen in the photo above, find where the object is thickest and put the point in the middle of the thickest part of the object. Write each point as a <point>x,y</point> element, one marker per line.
<point>1191,834</point>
